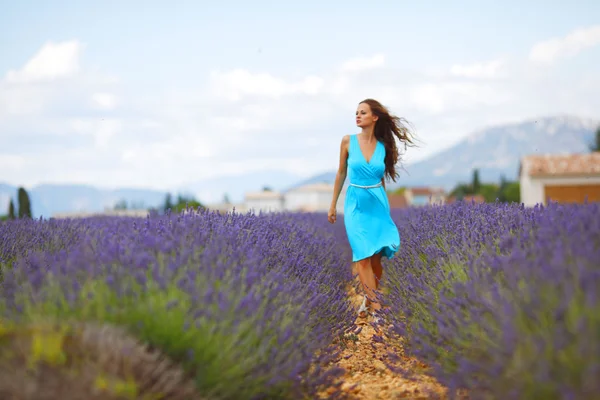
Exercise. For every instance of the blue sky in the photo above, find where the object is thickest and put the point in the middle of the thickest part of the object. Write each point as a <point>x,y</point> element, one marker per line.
<point>157,94</point>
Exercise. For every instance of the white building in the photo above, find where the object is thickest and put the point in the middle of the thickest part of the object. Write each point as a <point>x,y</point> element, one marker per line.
<point>315,197</point>
<point>264,201</point>
<point>239,208</point>
<point>421,196</point>
<point>562,178</point>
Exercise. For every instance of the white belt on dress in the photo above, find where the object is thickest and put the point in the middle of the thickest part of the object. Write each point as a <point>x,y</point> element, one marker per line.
<point>366,187</point>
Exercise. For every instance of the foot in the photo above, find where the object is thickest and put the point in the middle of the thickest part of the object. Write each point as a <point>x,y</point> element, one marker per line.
<point>363,311</point>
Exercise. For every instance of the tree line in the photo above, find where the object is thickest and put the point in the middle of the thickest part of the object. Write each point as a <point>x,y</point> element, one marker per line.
<point>175,205</point>
<point>505,192</point>
<point>23,209</point>
<point>595,145</point>
<point>180,203</point>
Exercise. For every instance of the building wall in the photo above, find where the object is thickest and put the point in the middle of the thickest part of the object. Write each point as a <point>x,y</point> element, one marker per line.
<point>529,191</point>
<point>310,200</point>
<point>533,189</point>
<point>573,193</point>
<point>420,200</point>
<point>264,204</point>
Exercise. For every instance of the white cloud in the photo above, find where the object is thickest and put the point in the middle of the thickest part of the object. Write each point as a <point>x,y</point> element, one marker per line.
<point>52,61</point>
<point>21,99</point>
<point>551,50</point>
<point>363,63</point>
<point>448,96</point>
<point>490,69</point>
<point>429,97</point>
<point>12,162</point>
<point>101,129</point>
<point>239,120</point>
<point>104,101</point>
<point>234,85</point>
<point>52,75</point>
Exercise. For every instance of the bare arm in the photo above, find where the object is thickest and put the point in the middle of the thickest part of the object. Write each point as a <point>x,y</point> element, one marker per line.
<point>383,182</point>
<point>340,177</point>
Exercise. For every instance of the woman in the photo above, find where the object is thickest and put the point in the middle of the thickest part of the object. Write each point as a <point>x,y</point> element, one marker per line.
<point>371,156</point>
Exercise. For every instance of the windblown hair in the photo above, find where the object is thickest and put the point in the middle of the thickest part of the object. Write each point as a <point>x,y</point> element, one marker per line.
<point>388,127</point>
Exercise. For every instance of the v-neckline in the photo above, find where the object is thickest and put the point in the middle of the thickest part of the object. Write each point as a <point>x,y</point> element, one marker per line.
<point>363,154</point>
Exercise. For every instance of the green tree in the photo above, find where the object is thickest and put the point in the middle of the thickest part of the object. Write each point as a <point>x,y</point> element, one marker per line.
<point>596,145</point>
<point>489,191</point>
<point>502,189</point>
<point>184,201</point>
<point>11,209</point>
<point>461,190</point>
<point>512,192</point>
<point>168,203</point>
<point>121,205</point>
<point>24,203</point>
<point>476,182</point>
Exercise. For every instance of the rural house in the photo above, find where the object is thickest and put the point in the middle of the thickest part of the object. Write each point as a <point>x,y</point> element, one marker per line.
<point>564,178</point>
<point>397,200</point>
<point>314,197</point>
<point>420,196</point>
<point>265,200</point>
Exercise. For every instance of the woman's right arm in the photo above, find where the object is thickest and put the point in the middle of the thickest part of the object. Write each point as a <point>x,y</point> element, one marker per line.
<point>340,177</point>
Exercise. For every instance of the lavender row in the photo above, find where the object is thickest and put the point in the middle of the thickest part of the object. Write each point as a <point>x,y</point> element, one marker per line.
<point>500,300</point>
<point>248,305</point>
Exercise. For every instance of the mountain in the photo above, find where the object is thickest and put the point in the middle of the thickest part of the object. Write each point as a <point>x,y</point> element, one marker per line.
<point>213,190</point>
<point>495,151</point>
<point>49,199</point>
<point>328,177</point>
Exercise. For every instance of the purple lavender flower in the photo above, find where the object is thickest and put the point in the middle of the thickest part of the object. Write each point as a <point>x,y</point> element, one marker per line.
<point>499,299</point>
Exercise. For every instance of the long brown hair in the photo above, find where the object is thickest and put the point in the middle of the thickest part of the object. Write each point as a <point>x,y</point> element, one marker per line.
<point>386,127</point>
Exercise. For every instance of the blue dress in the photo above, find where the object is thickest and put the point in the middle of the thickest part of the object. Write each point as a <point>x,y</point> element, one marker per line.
<point>369,226</point>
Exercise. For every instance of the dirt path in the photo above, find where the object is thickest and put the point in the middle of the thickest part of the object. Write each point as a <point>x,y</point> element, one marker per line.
<point>367,377</point>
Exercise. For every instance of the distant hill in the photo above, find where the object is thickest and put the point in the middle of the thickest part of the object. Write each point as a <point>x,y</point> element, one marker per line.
<point>495,150</point>
<point>328,177</point>
<point>48,199</point>
<point>213,190</point>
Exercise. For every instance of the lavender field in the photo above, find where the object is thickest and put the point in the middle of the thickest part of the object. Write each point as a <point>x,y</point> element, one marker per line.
<point>499,300</point>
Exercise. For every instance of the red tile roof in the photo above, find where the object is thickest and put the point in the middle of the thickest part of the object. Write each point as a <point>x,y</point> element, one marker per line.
<point>562,164</point>
<point>425,191</point>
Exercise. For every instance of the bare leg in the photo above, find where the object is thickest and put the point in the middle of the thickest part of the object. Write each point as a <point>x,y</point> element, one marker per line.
<point>377,269</point>
<point>367,278</point>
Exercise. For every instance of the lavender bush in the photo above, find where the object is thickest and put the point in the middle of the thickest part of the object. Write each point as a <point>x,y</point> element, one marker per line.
<point>18,237</point>
<point>501,300</point>
<point>248,305</point>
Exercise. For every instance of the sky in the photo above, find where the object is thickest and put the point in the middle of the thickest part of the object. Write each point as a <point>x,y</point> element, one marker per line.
<point>156,94</point>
